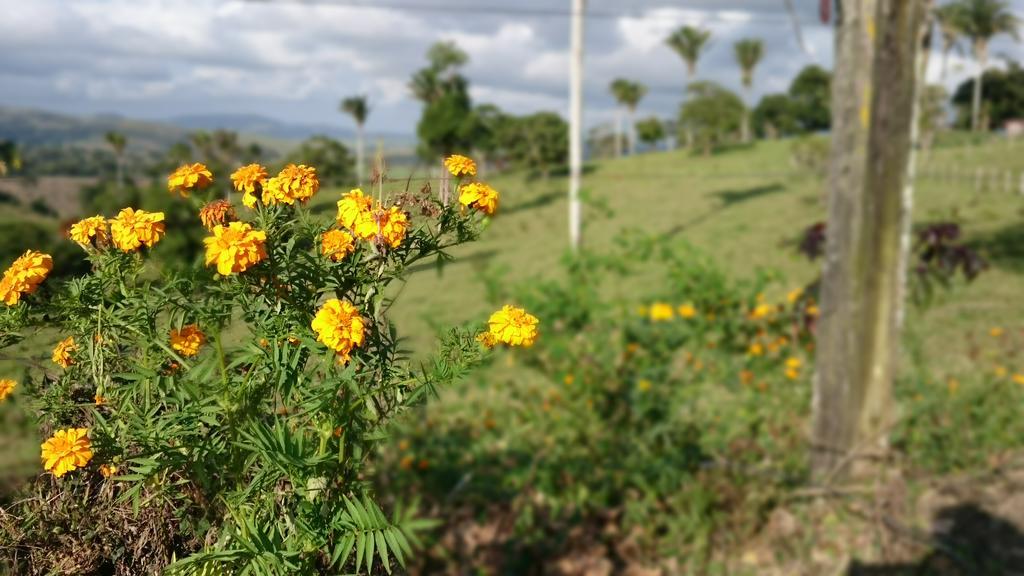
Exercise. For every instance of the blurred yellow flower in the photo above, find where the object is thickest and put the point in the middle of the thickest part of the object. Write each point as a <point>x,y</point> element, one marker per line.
<point>6,387</point>
<point>339,326</point>
<point>479,196</point>
<point>644,385</point>
<point>336,244</point>
<point>746,377</point>
<point>953,385</point>
<point>794,363</point>
<point>62,354</point>
<point>1018,378</point>
<point>406,462</point>
<point>812,310</point>
<point>486,339</point>
<point>355,212</point>
<point>24,276</point>
<point>216,213</point>
<point>392,225</point>
<point>189,177</point>
<point>513,326</point>
<point>293,182</point>
<point>687,310</point>
<point>794,295</point>
<point>1000,371</point>
<point>661,311</point>
<point>235,248</point>
<point>132,229</point>
<point>460,165</point>
<point>756,349</point>
<point>762,311</point>
<point>188,340</point>
<point>569,379</point>
<point>90,231</point>
<point>108,470</point>
<point>995,331</point>
<point>99,400</point>
<point>249,180</point>
<point>66,450</point>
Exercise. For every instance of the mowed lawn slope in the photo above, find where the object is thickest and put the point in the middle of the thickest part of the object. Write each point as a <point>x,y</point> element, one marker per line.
<point>746,208</point>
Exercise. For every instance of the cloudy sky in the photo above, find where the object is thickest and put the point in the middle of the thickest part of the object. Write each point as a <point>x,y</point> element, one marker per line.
<point>294,59</point>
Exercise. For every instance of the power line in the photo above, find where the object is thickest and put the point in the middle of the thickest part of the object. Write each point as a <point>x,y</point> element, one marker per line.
<point>521,11</point>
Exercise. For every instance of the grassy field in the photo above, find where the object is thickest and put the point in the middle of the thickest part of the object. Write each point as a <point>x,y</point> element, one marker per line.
<point>746,208</point>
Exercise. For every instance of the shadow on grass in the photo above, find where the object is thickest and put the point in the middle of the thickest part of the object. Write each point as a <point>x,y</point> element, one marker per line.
<point>966,541</point>
<point>727,198</point>
<point>537,202</point>
<point>1003,248</point>
<point>469,259</point>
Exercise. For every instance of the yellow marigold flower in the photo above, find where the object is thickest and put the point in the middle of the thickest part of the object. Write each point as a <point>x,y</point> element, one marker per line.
<point>67,450</point>
<point>336,244</point>
<point>761,311</point>
<point>293,182</point>
<point>217,213</point>
<point>1018,379</point>
<point>792,373</point>
<point>953,385</point>
<point>62,354</point>
<point>460,165</point>
<point>339,326</point>
<point>756,349</point>
<point>794,363</point>
<point>995,331</point>
<point>660,311</point>
<point>249,180</point>
<point>108,470</point>
<point>794,295</point>
<point>479,196</point>
<point>90,231</point>
<point>189,177</point>
<point>132,229</point>
<point>235,248</point>
<point>188,340</point>
<point>644,385</point>
<point>569,379</point>
<point>687,311</point>
<point>6,387</point>
<point>392,225</point>
<point>513,326</point>
<point>486,339</point>
<point>24,276</point>
<point>355,212</point>
<point>813,311</point>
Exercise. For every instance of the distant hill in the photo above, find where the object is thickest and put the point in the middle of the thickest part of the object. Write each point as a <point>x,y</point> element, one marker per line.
<point>256,124</point>
<point>38,128</point>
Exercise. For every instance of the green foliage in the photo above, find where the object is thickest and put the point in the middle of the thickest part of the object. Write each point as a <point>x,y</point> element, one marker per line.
<point>538,142</point>
<point>628,94</point>
<point>251,455</point>
<point>447,124</point>
<point>689,42</point>
<point>711,113</point>
<point>1002,97</point>
<point>651,130</point>
<point>334,165</point>
<point>357,107</point>
<point>749,53</point>
<point>811,154</point>
<point>811,93</point>
<point>775,117</point>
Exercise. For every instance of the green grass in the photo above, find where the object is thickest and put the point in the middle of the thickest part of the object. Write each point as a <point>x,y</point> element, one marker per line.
<point>746,208</point>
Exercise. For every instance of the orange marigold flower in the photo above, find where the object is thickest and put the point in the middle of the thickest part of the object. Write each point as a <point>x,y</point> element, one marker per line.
<point>188,340</point>
<point>132,229</point>
<point>486,339</point>
<point>460,165</point>
<point>235,248</point>
<point>339,326</point>
<point>513,326</point>
<point>355,212</point>
<point>189,177</point>
<point>250,180</point>
<point>67,450</point>
<point>995,331</point>
<point>217,213</point>
<point>756,349</point>
<point>813,311</point>
<point>794,295</point>
<point>6,387</point>
<point>336,244</point>
<point>62,354</point>
<point>392,225</point>
<point>24,276</point>
<point>1018,379</point>
<point>108,470</point>
<point>746,377</point>
<point>687,311</point>
<point>99,400</point>
<point>661,311</point>
<point>294,182</point>
<point>90,231</point>
<point>479,196</point>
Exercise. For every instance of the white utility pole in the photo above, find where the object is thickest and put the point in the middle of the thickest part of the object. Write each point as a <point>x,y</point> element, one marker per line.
<point>576,122</point>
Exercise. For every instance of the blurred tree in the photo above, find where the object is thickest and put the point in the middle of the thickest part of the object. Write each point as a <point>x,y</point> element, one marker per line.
<point>628,94</point>
<point>447,124</point>
<point>538,142</point>
<point>946,18</point>
<point>711,114</point>
<point>1003,98</point>
<point>980,21</point>
<point>117,143</point>
<point>358,108</point>
<point>689,43</point>
<point>10,158</point>
<point>933,114</point>
<point>811,93</point>
<point>330,158</point>
<point>651,130</point>
<point>749,53</point>
<point>489,123</point>
<point>775,116</point>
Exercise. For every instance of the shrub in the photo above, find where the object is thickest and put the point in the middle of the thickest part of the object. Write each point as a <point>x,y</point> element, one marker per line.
<point>221,419</point>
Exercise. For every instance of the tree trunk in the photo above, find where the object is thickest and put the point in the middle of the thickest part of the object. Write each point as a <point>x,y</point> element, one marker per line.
<point>745,128</point>
<point>872,108</point>
<point>631,120</point>
<point>360,154</point>
<point>981,54</point>
<point>618,133</point>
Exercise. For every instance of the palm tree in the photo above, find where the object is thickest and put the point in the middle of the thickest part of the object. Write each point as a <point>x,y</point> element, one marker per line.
<point>358,108</point>
<point>748,54</point>
<point>982,20</point>
<point>628,94</point>
<point>118,142</point>
<point>945,16</point>
<point>689,43</point>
